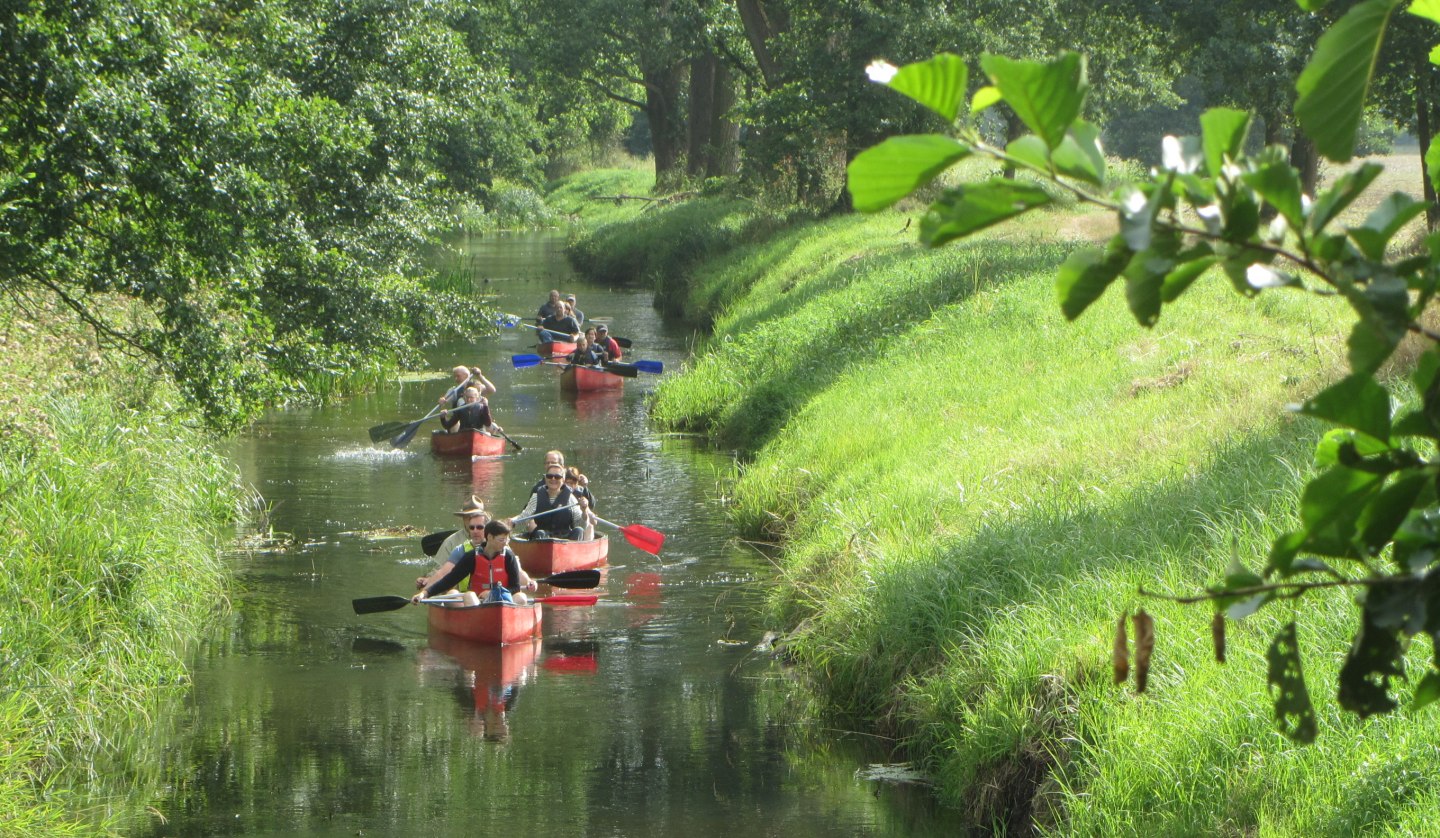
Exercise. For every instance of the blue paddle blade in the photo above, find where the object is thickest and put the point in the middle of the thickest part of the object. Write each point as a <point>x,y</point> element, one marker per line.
<point>506,321</point>
<point>520,362</point>
<point>650,366</point>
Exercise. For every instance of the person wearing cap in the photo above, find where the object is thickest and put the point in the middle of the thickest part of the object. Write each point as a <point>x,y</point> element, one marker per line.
<point>493,569</point>
<point>473,519</point>
<point>608,347</point>
<point>575,312</point>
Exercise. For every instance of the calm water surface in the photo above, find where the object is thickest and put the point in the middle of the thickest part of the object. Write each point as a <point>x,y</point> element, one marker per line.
<point>647,715</point>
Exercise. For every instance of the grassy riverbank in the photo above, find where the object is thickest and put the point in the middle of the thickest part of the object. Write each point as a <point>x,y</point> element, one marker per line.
<point>970,492</point>
<point>108,565</point>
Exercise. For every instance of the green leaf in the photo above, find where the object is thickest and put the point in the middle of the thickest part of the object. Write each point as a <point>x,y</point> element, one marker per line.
<point>1142,294</point>
<point>1046,96</point>
<point>938,84</point>
<point>1374,658</point>
<point>1356,401</point>
<point>1332,86</point>
<point>1347,188</point>
<point>1294,713</point>
<point>1384,222</point>
<point>883,174</point>
<point>1279,185</point>
<point>1428,9</point>
<point>984,98</point>
<point>1426,691</point>
<point>1030,151</point>
<point>1389,509</point>
<point>1224,131</point>
<point>1312,5</point>
<point>1368,346</point>
<point>1331,507</point>
<point>1242,218</point>
<point>1086,274</point>
<point>1183,275</point>
<point>961,211</point>
<point>1079,155</point>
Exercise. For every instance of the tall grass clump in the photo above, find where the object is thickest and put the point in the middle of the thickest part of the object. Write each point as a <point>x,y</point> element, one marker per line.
<point>109,566</point>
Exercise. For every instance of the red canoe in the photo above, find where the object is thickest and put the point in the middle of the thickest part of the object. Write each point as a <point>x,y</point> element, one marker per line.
<point>489,622</point>
<point>559,347</point>
<point>589,378</point>
<point>466,443</point>
<point>544,558</point>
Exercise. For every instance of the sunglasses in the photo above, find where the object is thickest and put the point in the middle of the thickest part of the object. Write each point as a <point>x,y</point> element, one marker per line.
<point>474,526</point>
<point>554,477</point>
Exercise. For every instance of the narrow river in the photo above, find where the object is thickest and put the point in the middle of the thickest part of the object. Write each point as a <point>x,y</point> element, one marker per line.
<point>649,714</point>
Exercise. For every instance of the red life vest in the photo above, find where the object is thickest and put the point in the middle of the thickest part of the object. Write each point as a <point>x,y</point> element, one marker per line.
<point>485,567</point>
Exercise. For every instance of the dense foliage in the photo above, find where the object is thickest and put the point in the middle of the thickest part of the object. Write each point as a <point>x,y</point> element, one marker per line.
<point>1368,520</point>
<point>261,179</point>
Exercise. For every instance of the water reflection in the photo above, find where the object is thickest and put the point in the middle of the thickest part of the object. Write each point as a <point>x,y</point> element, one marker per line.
<point>631,719</point>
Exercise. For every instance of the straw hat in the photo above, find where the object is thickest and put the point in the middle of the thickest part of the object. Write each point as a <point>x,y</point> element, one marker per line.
<point>474,507</point>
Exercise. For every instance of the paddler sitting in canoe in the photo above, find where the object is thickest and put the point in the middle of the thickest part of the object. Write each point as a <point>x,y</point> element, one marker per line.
<point>471,534</point>
<point>585,354</point>
<point>564,517</point>
<point>465,377</point>
<point>473,414</point>
<point>548,308</point>
<point>606,344</point>
<point>560,326</point>
<point>493,570</point>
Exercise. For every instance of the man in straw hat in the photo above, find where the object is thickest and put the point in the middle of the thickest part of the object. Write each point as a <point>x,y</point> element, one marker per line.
<point>473,519</point>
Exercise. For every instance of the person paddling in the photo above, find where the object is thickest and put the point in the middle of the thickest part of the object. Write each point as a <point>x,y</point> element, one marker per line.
<point>606,344</point>
<point>473,414</point>
<point>565,517</point>
<point>493,569</point>
<point>471,535</point>
<point>560,326</point>
<point>465,377</point>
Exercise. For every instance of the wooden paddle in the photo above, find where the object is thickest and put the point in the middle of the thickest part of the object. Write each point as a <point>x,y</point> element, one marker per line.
<point>640,537</point>
<point>569,579</point>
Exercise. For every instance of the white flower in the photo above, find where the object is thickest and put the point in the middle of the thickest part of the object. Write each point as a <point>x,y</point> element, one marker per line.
<point>881,72</point>
<point>1260,276</point>
<point>1172,156</point>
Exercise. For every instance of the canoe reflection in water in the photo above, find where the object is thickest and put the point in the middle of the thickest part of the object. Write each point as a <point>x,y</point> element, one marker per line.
<point>490,679</point>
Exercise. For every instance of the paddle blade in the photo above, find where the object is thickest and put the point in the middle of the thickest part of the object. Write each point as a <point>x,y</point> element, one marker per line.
<point>520,362</point>
<point>571,599</point>
<point>573,579</point>
<point>432,542</point>
<point>625,343</point>
<point>376,604</point>
<point>644,538</point>
<point>622,370</point>
<point>650,366</point>
<point>386,431</point>
<point>518,449</point>
<point>403,438</point>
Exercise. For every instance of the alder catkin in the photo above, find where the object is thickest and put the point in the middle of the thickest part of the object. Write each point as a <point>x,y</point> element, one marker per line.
<point>1217,635</point>
<point>1144,645</point>
<point>1120,655</point>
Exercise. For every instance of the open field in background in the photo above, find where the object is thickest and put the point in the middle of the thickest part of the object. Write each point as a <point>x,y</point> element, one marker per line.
<point>970,491</point>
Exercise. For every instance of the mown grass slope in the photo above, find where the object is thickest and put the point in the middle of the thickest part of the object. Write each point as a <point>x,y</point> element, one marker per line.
<point>971,491</point>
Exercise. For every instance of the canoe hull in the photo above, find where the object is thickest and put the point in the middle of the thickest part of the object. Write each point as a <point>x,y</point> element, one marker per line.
<point>467,443</point>
<point>559,347</point>
<point>493,623</point>
<point>545,558</point>
<point>585,379</point>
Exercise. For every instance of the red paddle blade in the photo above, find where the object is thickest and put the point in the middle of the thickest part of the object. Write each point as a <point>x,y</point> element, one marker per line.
<point>643,538</point>
<point>574,599</point>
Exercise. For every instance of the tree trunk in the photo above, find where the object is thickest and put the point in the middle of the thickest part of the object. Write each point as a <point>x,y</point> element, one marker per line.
<point>1425,125</point>
<point>667,123</point>
<point>724,157</point>
<point>1014,130</point>
<point>1306,158</point>
<point>702,112</point>
<point>762,21</point>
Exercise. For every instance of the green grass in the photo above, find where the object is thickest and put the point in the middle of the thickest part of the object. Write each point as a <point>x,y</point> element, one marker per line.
<point>108,567</point>
<point>971,491</point>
